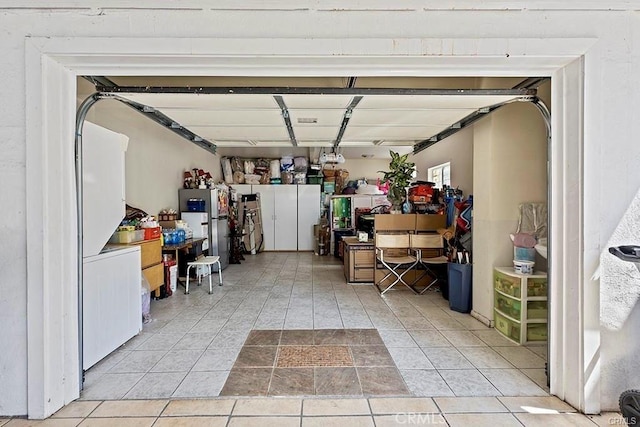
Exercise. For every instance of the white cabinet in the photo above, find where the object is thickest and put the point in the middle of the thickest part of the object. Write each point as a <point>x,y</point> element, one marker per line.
<point>308,215</point>
<point>103,181</point>
<point>243,188</point>
<point>289,213</point>
<point>279,205</point>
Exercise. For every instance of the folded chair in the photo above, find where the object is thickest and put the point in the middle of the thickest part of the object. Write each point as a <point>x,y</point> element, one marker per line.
<point>393,252</point>
<point>429,250</point>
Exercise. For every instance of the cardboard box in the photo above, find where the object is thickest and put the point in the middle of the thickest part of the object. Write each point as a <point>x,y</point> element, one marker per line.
<point>397,222</point>
<point>168,224</point>
<point>430,222</point>
<point>167,217</point>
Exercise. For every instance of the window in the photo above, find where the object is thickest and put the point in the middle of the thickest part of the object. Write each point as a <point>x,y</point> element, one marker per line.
<point>440,175</point>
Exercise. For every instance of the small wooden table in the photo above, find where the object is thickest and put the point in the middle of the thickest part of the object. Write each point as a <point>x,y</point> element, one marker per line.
<point>358,260</point>
<point>187,244</point>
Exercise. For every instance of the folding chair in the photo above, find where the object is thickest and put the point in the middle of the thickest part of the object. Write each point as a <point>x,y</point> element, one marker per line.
<point>393,252</point>
<point>429,249</point>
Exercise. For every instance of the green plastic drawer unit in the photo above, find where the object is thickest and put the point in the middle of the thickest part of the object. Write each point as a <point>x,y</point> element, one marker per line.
<point>509,306</point>
<point>536,309</point>
<point>537,287</point>
<point>537,332</point>
<point>508,328</point>
<point>506,284</point>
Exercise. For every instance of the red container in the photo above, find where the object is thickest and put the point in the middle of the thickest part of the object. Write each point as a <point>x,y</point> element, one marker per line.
<point>421,190</point>
<point>421,193</point>
<point>151,233</point>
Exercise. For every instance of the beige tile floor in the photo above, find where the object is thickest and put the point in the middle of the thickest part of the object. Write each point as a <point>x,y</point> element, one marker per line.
<point>458,371</point>
<point>447,411</point>
<point>189,348</point>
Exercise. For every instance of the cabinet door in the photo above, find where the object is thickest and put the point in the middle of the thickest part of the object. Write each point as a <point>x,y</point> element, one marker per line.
<point>242,188</point>
<point>268,205</point>
<point>308,215</point>
<point>286,217</point>
<point>150,252</point>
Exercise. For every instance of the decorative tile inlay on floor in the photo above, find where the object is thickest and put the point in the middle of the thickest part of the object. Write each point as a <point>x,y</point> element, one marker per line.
<point>323,362</point>
<point>304,356</point>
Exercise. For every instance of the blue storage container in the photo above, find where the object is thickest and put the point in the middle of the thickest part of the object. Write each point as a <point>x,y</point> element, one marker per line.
<point>195,205</point>
<point>459,276</point>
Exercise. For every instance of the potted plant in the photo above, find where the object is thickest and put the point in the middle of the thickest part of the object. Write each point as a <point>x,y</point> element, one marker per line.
<point>398,176</point>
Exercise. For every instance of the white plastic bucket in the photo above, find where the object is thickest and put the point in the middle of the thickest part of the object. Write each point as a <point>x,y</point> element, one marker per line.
<point>523,267</point>
<point>173,278</point>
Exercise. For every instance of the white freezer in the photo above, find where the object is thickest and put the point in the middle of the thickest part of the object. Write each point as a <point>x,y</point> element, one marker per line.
<point>111,302</point>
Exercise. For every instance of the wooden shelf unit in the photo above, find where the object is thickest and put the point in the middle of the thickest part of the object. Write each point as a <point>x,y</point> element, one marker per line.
<point>151,262</point>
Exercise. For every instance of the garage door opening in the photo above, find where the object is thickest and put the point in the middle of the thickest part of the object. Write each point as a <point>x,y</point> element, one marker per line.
<point>430,350</point>
<point>52,67</point>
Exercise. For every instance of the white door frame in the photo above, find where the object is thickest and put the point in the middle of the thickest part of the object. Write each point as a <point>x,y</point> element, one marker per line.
<point>52,65</point>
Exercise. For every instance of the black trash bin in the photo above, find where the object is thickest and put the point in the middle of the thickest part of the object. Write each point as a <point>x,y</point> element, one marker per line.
<point>459,287</point>
<point>338,235</point>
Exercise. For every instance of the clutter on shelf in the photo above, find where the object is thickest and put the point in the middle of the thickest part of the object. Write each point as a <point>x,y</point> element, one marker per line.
<point>458,233</point>
<point>286,170</point>
<point>168,215</point>
<point>197,178</point>
<point>337,177</point>
<point>136,228</point>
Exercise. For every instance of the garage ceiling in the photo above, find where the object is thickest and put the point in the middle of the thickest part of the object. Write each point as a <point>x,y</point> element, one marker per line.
<point>380,115</point>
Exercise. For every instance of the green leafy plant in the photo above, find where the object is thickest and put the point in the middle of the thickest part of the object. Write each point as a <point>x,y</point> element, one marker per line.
<point>399,175</point>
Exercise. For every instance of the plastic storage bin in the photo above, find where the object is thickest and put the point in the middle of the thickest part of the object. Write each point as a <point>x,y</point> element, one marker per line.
<point>314,179</point>
<point>459,276</point>
<point>138,235</point>
<point>537,310</point>
<point>537,332</point>
<point>509,306</point>
<point>520,305</point>
<point>507,327</point>
<point>125,236</point>
<point>507,284</point>
<point>195,205</point>
<point>151,233</point>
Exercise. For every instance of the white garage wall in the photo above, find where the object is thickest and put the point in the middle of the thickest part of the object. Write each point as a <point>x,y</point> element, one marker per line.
<point>510,155</point>
<point>156,157</point>
<point>365,168</point>
<point>611,153</point>
<point>457,149</point>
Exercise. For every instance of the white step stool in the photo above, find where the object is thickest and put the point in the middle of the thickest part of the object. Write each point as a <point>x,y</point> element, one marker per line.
<point>207,261</point>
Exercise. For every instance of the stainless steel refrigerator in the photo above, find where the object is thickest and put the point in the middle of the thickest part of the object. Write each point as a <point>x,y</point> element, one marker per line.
<point>216,206</point>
